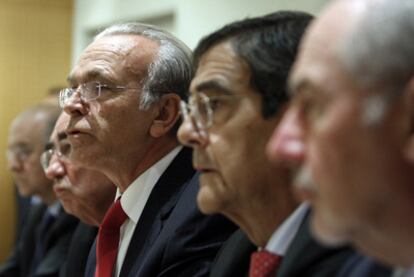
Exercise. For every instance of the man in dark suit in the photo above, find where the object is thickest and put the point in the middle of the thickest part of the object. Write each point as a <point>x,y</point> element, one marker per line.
<point>237,97</point>
<point>352,128</point>
<point>84,193</point>
<point>45,239</point>
<point>123,104</point>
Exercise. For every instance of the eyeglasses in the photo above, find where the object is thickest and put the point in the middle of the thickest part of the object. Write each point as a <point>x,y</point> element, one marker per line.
<point>47,155</point>
<point>20,154</point>
<point>202,110</point>
<point>88,92</point>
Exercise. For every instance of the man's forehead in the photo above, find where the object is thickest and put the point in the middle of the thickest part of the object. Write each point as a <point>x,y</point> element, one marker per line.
<point>132,52</point>
<point>220,69</point>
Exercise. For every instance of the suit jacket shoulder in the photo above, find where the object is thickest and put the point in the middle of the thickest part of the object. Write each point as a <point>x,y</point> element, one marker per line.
<point>306,257</point>
<point>359,265</point>
<point>233,258</point>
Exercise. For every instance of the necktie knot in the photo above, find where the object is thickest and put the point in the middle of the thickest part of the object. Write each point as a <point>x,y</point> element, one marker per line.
<point>114,217</point>
<point>264,264</point>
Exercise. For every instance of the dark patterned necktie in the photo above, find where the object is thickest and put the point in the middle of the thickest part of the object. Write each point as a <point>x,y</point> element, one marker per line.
<point>264,264</point>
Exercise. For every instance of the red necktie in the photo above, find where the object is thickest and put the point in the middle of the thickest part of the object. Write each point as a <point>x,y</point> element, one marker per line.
<point>108,240</point>
<point>264,264</point>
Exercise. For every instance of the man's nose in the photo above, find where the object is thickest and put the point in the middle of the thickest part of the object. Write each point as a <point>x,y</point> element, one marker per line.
<point>75,105</point>
<point>191,136</point>
<point>55,170</point>
<point>287,144</point>
<point>14,164</point>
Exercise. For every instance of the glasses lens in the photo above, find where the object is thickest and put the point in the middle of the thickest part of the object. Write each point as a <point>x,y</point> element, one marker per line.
<point>202,111</point>
<point>19,154</point>
<point>64,95</point>
<point>184,109</point>
<point>91,91</point>
<point>45,158</point>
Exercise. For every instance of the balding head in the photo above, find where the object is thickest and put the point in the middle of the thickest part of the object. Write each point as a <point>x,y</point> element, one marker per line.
<point>28,134</point>
<point>354,148</point>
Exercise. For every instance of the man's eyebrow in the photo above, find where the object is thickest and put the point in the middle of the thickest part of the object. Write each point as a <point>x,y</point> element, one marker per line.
<point>94,74</point>
<point>212,85</point>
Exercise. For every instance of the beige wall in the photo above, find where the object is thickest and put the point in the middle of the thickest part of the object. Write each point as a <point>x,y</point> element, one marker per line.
<point>35,42</point>
<point>188,19</point>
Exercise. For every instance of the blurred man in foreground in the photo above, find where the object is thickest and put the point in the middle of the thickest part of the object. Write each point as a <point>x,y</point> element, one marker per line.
<point>350,130</point>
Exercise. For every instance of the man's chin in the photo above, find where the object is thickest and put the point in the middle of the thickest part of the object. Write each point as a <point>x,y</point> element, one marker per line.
<point>206,200</point>
<point>325,234</point>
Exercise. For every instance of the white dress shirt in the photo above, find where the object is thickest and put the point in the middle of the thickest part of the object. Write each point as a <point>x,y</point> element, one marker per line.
<point>281,239</point>
<point>133,201</point>
<point>54,209</point>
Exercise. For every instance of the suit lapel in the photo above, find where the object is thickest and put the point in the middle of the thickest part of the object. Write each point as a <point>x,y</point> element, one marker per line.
<point>306,257</point>
<point>61,229</point>
<point>161,202</point>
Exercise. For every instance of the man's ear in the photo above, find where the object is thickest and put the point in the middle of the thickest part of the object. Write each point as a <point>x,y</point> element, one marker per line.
<point>168,112</point>
<point>409,100</point>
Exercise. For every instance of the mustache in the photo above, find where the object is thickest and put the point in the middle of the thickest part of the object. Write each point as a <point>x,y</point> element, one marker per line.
<point>63,182</point>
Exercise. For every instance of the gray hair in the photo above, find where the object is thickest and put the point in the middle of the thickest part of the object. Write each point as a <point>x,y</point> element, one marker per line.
<point>379,51</point>
<point>170,72</point>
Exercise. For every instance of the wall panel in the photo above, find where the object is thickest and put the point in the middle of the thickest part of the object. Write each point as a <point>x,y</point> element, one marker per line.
<point>34,56</point>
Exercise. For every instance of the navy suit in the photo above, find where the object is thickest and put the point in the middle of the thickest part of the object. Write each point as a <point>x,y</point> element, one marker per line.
<point>82,241</point>
<point>56,245</point>
<point>172,237</point>
<point>362,266</point>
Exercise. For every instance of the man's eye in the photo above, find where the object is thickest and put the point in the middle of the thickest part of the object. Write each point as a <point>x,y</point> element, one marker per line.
<point>105,88</point>
<point>215,103</point>
<point>65,149</point>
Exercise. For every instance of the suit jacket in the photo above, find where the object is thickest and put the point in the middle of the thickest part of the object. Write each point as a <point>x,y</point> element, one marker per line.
<point>172,237</point>
<point>306,257</point>
<point>233,258</point>
<point>56,246</point>
<point>359,265</point>
<point>80,246</point>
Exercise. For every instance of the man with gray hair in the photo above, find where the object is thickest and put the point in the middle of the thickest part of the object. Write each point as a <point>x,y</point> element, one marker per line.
<point>351,130</point>
<point>123,104</point>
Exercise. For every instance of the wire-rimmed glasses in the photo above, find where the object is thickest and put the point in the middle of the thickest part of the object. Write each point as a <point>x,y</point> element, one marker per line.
<point>88,92</point>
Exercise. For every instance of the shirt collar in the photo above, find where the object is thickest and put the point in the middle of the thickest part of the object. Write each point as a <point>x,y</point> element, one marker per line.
<point>135,197</point>
<point>54,209</point>
<point>280,240</point>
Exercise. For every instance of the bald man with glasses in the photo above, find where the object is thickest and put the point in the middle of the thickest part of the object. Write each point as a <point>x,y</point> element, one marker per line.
<point>44,242</point>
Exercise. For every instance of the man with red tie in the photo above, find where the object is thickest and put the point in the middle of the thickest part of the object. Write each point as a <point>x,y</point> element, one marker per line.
<point>123,103</point>
<point>237,98</point>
